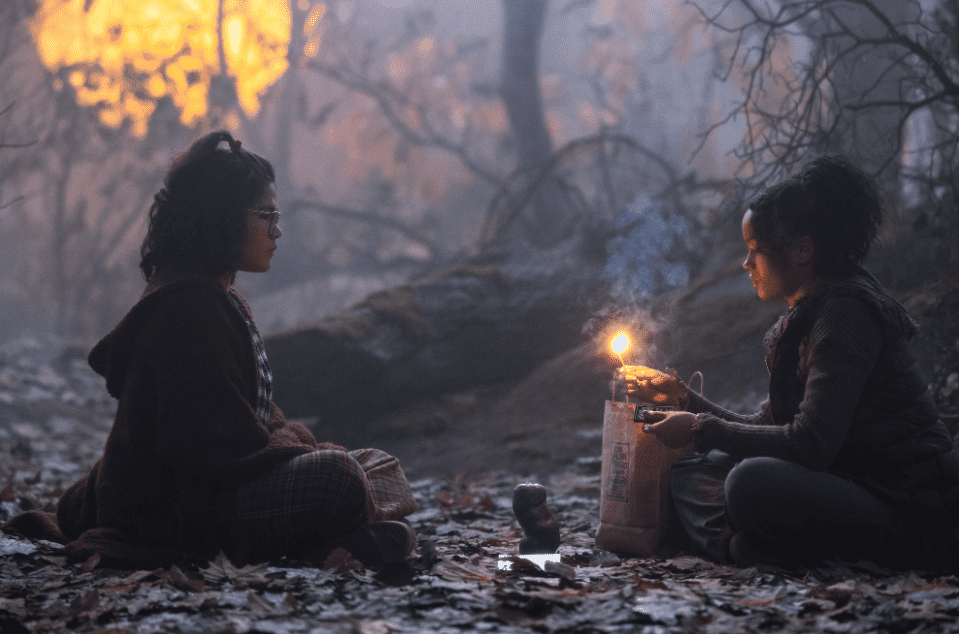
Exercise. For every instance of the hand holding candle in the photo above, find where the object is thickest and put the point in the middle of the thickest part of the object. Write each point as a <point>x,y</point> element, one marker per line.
<point>647,384</point>
<point>655,387</point>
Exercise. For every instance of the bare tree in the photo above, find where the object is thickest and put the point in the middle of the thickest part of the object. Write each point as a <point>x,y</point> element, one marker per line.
<point>12,136</point>
<point>547,222</point>
<point>537,193</point>
<point>879,81</point>
<point>537,207</point>
<point>867,60</point>
<point>79,192</point>
<point>95,199</point>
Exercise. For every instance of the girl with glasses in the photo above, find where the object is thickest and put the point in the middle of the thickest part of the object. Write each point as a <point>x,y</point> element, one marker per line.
<point>199,459</point>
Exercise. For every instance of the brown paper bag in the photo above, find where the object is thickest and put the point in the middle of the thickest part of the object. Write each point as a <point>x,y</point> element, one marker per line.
<point>634,499</point>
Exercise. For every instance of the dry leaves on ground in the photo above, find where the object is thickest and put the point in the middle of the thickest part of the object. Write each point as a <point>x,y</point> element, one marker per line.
<point>465,525</point>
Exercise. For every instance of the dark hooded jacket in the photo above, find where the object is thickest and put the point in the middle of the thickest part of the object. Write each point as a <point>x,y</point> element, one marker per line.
<point>183,368</point>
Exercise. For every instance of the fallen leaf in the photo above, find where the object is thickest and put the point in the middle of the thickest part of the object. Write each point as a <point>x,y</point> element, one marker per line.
<point>220,569</point>
<point>92,562</point>
<point>10,546</point>
<point>377,627</point>
<point>85,603</point>
<point>455,571</point>
<point>341,561</point>
<point>561,569</point>
<point>258,604</point>
<point>181,581</point>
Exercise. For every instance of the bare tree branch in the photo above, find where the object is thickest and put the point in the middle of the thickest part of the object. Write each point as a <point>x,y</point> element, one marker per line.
<point>877,79</point>
<point>12,202</point>
<point>392,104</point>
<point>916,61</point>
<point>8,144</point>
<point>363,216</point>
<point>506,207</point>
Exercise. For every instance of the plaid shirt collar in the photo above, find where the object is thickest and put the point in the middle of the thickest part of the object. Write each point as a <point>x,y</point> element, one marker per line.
<point>264,404</point>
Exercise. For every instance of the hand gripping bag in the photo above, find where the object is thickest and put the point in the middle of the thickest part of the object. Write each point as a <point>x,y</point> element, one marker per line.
<point>635,507</point>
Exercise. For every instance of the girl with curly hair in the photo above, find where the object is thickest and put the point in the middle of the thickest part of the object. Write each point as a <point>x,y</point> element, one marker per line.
<point>847,457</point>
<point>199,459</point>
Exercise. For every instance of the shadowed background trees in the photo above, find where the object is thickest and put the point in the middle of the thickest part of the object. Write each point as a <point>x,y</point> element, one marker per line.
<point>451,145</point>
<point>875,79</point>
<point>400,143</point>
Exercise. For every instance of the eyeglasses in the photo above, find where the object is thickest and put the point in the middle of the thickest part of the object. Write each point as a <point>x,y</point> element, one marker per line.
<point>273,216</point>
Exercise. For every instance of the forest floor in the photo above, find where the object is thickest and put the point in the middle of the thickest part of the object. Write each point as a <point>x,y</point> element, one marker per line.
<point>54,418</point>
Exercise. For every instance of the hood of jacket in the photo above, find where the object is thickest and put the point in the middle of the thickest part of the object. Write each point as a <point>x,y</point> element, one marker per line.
<point>113,355</point>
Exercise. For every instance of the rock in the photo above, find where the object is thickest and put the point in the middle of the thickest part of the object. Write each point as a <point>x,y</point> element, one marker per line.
<point>540,527</point>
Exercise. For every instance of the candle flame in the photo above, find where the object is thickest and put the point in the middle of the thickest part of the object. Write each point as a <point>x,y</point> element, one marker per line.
<point>620,344</point>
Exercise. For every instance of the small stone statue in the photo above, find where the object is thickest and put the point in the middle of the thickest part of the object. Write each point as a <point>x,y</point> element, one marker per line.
<point>540,527</point>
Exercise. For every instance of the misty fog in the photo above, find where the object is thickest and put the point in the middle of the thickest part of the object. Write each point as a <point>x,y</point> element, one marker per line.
<point>616,139</point>
<point>75,196</point>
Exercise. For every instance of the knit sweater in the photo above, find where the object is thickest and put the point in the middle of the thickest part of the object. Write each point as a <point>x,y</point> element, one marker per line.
<point>846,396</point>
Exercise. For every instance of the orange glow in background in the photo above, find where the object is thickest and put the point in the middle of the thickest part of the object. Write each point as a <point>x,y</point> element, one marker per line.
<point>126,55</point>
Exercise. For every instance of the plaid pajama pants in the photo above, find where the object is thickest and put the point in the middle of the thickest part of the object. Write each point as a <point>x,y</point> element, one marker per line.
<point>314,499</point>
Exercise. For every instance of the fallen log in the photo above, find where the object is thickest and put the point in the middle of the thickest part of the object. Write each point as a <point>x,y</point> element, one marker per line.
<point>388,366</point>
<point>472,325</point>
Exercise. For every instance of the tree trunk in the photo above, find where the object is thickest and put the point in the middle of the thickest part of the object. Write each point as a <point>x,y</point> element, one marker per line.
<point>869,136</point>
<point>547,222</point>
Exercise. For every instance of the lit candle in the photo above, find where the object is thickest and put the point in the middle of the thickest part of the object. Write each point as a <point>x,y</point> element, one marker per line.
<point>620,344</point>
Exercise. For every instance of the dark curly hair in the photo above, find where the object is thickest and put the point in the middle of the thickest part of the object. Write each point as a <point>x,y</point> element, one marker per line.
<point>830,200</point>
<point>195,220</point>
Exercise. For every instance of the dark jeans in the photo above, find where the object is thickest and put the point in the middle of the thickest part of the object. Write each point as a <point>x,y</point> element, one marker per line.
<point>806,515</point>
